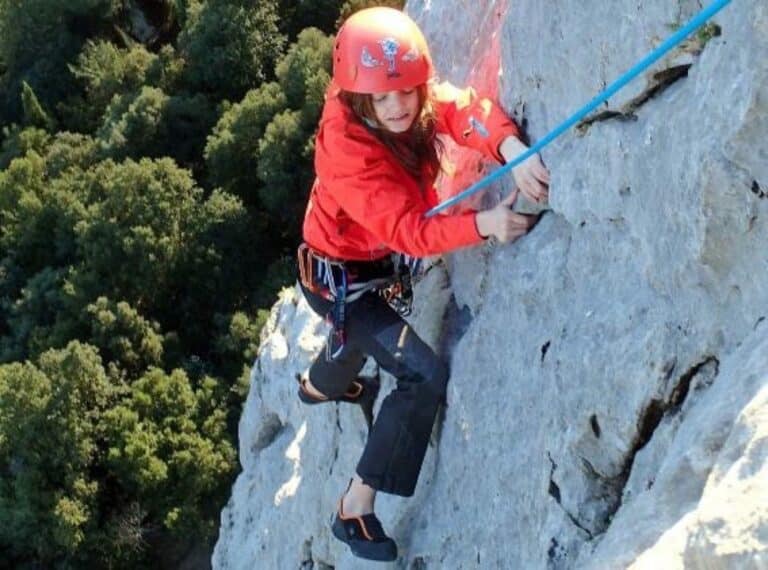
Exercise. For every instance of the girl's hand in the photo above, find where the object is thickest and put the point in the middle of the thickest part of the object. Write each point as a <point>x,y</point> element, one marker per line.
<point>502,223</point>
<point>531,176</point>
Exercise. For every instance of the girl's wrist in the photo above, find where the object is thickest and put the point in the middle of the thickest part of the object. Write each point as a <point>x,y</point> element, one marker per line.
<point>482,223</point>
<point>511,147</point>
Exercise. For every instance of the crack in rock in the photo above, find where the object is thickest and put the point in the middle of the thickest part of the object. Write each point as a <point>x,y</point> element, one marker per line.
<point>554,492</point>
<point>544,349</point>
<point>757,191</point>
<point>595,425</point>
<point>659,82</point>
<point>456,322</point>
<point>654,413</point>
<point>308,561</point>
<point>556,554</point>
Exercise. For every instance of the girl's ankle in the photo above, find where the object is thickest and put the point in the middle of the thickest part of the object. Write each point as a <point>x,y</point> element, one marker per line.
<point>354,506</point>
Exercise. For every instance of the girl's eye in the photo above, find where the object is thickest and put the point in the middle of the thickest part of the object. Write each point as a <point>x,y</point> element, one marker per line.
<point>379,99</point>
<point>407,91</point>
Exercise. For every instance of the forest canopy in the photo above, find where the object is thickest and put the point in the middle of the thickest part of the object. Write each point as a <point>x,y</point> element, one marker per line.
<point>155,159</point>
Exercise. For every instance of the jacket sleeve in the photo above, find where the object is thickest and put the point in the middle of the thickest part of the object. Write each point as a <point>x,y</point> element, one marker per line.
<point>472,120</point>
<point>369,187</point>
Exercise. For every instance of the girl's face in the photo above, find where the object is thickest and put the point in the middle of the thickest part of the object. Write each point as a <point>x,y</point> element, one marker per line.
<point>396,110</point>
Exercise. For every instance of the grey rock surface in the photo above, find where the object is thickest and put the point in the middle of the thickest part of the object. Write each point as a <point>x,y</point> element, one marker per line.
<point>608,400</point>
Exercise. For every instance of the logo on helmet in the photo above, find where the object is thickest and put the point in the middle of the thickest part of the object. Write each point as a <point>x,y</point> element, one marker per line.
<point>368,60</point>
<point>411,55</point>
<point>389,47</point>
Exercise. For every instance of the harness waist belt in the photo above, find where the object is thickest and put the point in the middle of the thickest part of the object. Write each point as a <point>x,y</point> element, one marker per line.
<point>323,275</point>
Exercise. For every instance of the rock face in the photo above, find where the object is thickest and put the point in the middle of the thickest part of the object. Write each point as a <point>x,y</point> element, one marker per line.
<point>608,401</point>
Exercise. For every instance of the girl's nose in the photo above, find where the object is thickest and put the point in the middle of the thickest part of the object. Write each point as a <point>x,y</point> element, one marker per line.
<point>398,100</point>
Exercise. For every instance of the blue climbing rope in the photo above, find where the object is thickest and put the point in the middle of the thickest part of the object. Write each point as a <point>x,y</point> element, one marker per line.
<point>695,23</point>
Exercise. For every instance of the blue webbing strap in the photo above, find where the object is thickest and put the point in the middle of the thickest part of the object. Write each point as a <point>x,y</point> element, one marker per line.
<point>695,23</point>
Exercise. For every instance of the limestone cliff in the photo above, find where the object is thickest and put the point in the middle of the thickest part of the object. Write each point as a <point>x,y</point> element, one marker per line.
<point>608,401</point>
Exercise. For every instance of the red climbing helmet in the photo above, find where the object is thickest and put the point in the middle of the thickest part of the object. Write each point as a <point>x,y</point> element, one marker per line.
<point>380,49</point>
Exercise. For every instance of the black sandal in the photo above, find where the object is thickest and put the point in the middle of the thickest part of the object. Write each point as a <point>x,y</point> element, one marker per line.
<point>365,536</point>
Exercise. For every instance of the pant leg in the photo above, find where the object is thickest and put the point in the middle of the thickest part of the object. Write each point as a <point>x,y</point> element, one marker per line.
<point>396,446</point>
<point>332,377</point>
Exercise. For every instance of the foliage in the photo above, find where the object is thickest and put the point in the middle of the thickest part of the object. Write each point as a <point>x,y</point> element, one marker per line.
<point>124,336</point>
<point>37,39</point>
<point>19,141</point>
<point>150,123</point>
<point>230,45</point>
<point>107,71</point>
<point>270,133</point>
<point>49,437</point>
<point>34,114</point>
<point>168,448</point>
<point>162,442</point>
<point>352,6</point>
<point>154,163</point>
<point>299,14</point>
<point>133,124</point>
<point>304,72</point>
<point>281,153</point>
<point>232,150</point>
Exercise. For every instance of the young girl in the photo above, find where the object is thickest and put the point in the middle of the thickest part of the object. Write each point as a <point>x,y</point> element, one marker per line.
<point>376,158</point>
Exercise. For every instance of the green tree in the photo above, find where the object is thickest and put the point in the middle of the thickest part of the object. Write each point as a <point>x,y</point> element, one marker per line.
<point>67,150</point>
<point>18,141</point>
<point>135,232</point>
<point>38,318</point>
<point>37,39</point>
<point>131,298</point>
<point>352,6</point>
<point>304,73</point>
<point>124,337</point>
<point>232,151</point>
<point>37,216</point>
<point>169,449</point>
<point>231,45</point>
<point>149,123</point>
<point>133,124</point>
<point>237,340</point>
<point>106,71</point>
<point>34,114</point>
<point>37,244</point>
<point>297,15</point>
<point>283,151</point>
<point>49,433</point>
<point>134,235</point>
<point>60,150</point>
<point>286,148</point>
<point>222,266</point>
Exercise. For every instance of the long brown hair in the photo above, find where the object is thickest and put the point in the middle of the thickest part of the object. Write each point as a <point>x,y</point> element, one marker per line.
<point>418,149</point>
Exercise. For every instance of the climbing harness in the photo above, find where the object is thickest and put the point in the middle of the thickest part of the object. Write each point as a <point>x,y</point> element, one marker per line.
<point>343,282</point>
<point>695,23</point>
<point>399,294</point>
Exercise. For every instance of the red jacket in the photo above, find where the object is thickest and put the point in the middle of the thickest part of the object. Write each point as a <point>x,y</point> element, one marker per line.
<point>364,205</point>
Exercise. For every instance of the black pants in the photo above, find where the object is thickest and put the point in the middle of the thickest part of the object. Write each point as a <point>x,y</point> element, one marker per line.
<point>397,443</point>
